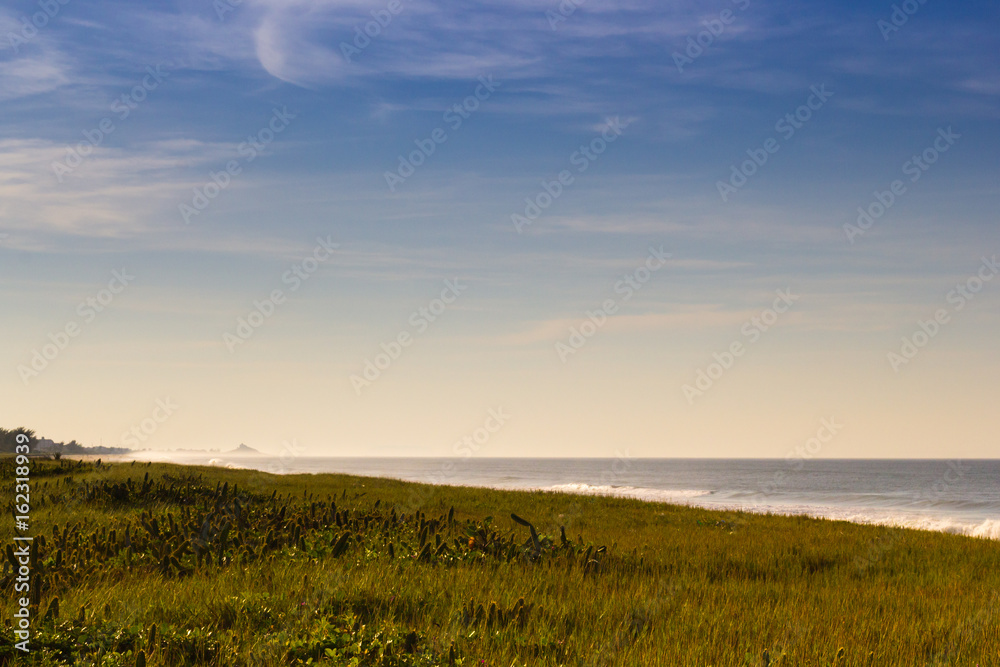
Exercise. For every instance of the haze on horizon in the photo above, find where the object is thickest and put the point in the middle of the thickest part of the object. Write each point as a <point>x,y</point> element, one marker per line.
<point>372,228</point>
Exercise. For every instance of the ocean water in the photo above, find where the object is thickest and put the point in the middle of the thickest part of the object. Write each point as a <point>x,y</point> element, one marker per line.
<point>958,496</point>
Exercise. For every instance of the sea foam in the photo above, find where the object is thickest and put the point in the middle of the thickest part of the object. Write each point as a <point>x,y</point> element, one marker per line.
<point>916,520</point>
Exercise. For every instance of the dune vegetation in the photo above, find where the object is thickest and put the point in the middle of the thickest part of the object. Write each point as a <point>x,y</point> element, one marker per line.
<point>160,564</point>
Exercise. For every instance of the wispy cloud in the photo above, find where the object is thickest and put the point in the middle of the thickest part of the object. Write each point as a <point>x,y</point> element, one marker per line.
<point>113,193</point>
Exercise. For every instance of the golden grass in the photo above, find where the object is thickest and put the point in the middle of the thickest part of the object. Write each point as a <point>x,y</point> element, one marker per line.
<point>386,578</point>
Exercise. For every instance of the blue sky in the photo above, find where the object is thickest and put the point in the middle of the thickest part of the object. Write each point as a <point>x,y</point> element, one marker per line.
<point>557,86</point>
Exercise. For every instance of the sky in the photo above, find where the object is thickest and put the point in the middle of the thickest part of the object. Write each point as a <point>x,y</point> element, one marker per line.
<point>407,228</point>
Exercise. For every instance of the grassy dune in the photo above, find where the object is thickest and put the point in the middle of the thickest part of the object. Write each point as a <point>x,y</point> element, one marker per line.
<point>172,565</point>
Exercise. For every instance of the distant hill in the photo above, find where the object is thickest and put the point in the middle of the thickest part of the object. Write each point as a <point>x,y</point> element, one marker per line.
<point>243,450</point>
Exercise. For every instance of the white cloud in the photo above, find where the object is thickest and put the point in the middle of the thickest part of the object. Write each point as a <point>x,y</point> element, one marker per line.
<point>30,76</point>
<point>287,54</point>
<point>35,66</point>
<point>113,192</point>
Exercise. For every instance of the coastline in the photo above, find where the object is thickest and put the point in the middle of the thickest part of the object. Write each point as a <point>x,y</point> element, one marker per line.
<point>764,498</point>
<point>280,569</point>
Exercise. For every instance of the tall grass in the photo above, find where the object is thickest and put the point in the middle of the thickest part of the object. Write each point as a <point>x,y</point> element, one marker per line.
<point>159,564</point>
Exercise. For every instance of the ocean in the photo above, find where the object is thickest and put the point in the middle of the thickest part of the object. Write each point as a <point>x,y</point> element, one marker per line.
<point>957,496</point>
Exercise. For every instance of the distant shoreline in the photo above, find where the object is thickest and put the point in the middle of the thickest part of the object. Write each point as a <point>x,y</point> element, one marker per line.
<point>940,495</point>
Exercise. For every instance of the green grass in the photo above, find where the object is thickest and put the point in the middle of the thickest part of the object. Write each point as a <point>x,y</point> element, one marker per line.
<point>234,567</point>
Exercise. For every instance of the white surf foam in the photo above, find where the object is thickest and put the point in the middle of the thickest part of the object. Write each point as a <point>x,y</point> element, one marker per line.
<point>639,493</point>
<point>989,528</point>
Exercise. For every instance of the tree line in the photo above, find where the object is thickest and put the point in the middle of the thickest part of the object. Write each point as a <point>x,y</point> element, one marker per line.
<point>8,441</point>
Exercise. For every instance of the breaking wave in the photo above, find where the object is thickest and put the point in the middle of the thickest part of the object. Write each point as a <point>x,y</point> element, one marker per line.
<point>989,528</point>
<point>639,493</point>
